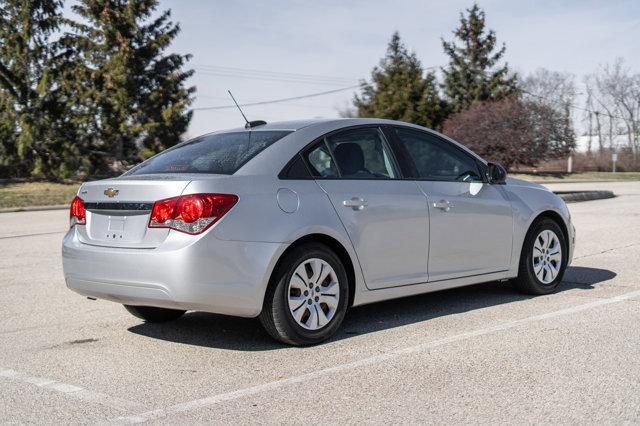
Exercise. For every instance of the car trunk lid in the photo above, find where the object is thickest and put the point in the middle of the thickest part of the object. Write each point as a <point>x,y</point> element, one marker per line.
<point>118,210</point>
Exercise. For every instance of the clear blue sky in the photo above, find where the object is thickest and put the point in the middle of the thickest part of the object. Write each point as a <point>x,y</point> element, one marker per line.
<point>345,39</point>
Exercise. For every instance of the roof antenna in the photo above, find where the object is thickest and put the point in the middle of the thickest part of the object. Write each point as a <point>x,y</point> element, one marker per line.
<point>249,124</point>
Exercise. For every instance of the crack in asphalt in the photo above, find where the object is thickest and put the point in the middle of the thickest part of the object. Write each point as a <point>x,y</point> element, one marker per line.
<point>606,251</point>
<point>31,235</point>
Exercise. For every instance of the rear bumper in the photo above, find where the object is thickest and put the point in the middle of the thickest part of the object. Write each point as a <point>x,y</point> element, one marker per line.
<point>205,274</point>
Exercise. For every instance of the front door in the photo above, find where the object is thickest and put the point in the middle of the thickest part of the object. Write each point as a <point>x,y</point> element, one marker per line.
<point>385,217</point>
<point>471,221</point>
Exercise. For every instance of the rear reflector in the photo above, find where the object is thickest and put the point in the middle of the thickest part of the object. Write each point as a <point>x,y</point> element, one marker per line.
<point>192,213</point>
<point>77,213</point>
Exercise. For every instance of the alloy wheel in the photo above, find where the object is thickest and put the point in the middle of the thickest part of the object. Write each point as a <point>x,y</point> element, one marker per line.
<point>313,294</point>
<point>547,256</point>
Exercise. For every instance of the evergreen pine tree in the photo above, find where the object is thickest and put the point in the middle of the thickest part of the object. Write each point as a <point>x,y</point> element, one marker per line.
<point>473,73</point>
<point>8,155</point>
<point>33,124</point>
<point>400,90</point>
<point>132,94</point>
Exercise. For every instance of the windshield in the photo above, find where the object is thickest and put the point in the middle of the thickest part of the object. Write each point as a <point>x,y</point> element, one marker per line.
<point>222,153</point>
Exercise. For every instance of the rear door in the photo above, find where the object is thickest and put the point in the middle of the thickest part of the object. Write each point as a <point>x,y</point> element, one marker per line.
<point>471,223</point>
<point>385,217</point>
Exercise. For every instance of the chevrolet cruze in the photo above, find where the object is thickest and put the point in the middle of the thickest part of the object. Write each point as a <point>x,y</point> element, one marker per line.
<point>295,222</point>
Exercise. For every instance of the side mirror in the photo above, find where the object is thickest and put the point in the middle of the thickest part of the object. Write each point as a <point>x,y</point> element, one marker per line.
<point>496,173</point>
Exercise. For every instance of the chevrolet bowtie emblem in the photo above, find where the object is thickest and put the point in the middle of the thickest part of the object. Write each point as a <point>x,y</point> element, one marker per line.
<point>110,192</point>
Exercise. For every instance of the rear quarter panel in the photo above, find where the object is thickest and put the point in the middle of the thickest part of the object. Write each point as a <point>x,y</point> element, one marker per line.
<point>259,217</point>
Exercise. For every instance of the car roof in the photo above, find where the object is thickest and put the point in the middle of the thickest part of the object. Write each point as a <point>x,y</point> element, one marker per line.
<point>295,125</point>
<point>291,125</point>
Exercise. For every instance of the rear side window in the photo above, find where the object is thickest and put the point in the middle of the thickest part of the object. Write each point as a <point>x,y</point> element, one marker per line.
<point>222,153</point>
<point>321,162</point>
<point>296,170</point>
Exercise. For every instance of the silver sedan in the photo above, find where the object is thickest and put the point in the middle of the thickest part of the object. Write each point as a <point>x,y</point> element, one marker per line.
<point>295,222</point>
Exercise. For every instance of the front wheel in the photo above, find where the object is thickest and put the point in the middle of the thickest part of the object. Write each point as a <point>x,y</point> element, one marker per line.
<point>543,259</point>
<point>308,298</point>
<point>152,314</point>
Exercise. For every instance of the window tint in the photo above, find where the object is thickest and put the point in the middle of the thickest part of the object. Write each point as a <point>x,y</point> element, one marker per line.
<point>222,153</point>
<point>321,162</point>
<point>362,154</point>
<point>436,159</point>
<point>297,170</point>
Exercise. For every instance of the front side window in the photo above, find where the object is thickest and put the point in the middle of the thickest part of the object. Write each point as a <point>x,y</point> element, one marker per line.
<point>362,154</point>
<point>222,153</point>
<point>436,160</point>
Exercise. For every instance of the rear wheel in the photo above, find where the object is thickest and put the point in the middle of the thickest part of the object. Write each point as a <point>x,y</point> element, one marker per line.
<point>543,259</point>
<point>153,314</point>
<point>307,299</point>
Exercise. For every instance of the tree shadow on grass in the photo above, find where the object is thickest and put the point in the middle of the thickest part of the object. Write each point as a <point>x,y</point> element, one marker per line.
<point>246,334</point>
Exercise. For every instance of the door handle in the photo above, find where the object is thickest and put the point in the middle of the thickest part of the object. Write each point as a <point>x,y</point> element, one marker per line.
<point>355,203</point>
<point>443,205</point>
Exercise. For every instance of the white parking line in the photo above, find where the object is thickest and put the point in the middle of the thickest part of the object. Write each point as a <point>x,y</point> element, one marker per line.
<point>376,359</point>
<point>71,390</point>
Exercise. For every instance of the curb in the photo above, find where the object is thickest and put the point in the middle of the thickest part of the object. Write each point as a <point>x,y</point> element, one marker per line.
<point>549,182</point>
<point>578,196</point>
<point>34,208</point>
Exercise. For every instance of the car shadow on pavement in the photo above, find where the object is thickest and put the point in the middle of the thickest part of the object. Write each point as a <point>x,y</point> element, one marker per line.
<point>246,334</point>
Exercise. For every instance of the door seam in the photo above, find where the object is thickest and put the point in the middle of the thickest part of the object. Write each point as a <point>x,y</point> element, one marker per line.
<point>326,194</point>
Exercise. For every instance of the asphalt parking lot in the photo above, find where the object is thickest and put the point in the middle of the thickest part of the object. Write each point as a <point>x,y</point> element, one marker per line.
<point>479,354</point>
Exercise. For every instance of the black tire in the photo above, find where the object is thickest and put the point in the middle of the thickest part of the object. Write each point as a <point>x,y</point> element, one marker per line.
<point>153,314</point>
<point>527,281</point>
<point>276,316</point>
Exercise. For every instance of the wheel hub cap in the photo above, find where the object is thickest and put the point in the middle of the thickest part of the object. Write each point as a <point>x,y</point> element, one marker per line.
<point>547,256</point>
<point>313,294</point>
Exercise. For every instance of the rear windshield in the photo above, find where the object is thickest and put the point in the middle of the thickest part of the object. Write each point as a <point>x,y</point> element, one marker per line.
<point>222,153</point>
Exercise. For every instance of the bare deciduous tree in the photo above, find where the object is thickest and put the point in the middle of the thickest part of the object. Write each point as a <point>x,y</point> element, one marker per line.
<point>512,132</point>
<point>613,101</point>
<point>554,91</point>
<point>552,88</point>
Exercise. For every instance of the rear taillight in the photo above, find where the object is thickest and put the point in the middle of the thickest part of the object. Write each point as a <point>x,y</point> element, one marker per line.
<point>77,213</point>
<point>192,213</point>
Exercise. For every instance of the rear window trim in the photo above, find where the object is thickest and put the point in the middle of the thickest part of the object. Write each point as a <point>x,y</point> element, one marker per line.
<point>114,205</point>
